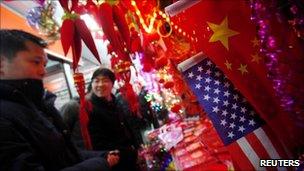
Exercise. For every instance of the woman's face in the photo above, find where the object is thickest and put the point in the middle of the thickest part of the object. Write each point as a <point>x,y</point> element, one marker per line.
<point>102,86</point>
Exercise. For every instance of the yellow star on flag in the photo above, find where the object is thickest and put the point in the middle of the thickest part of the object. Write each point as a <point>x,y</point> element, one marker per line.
<point>228,65</point>
<point>255,42</point>
<point>255,58</point>
<point>221,32</point>
<point>243,69</point>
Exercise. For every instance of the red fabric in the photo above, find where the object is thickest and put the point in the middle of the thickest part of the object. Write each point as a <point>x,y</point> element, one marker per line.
<point>254,85</point>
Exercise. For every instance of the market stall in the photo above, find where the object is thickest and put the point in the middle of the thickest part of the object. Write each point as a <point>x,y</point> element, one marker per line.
<point>217,83</point>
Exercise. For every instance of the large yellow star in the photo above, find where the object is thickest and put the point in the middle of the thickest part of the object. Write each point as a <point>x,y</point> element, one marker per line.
<point>221,32</point>
<point>255,58</point>
<point>243,69</point>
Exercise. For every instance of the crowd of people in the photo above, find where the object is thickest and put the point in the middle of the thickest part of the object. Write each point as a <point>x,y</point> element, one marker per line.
<point>34,135</point>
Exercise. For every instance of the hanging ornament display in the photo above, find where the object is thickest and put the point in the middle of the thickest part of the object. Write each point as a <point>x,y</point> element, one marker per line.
<point>41,18</point>
<point>120,41</point>
<point>33,17</point>
<point>73,30</point>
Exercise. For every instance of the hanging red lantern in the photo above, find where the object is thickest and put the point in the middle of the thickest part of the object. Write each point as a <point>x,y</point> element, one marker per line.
<point>169,84</point>
<point>135,41</point>
<point>176,108</point>
<point>161,80</point>
<point>80,83</point>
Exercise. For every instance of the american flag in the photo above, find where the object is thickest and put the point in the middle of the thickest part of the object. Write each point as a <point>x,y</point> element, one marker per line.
<point>238,125</point>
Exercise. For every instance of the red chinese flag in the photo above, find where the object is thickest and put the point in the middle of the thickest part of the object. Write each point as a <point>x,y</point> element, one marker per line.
<point>224,32</point>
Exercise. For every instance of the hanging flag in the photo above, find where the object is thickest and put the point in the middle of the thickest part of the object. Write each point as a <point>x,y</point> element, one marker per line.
<point>224,32</point>
<point>240,128</point>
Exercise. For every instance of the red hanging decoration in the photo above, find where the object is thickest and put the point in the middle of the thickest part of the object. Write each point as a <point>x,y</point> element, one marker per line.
<point>108,16</point>
<point>83,115</point>
<point>67,32</point>
<point>161,62</point>
<point>76,50</point>
<point>161,80</point>
<point>128,93</point>
<point>135,41</point>
<point>168,84</point>
<point>148,59</point>
<point>148,38</point>
<point>121,67</point>
<point>74,30</point>
<point>121,24</point>
<point>176,108</point>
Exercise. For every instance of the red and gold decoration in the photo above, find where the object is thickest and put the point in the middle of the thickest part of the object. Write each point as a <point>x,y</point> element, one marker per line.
<point>83,115</point>
<point>122,71</point>
<point>73,31</point>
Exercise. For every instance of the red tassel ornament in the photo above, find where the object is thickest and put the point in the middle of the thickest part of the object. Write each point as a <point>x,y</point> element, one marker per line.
<point>83,115</point>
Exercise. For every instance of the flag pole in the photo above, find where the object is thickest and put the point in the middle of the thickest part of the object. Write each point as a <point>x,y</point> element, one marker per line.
<point>180,6</point>
<point>188,63</point>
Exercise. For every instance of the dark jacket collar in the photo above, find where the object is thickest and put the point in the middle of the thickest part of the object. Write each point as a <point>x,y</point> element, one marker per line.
<point>19,90</point>
<point>103,101</point>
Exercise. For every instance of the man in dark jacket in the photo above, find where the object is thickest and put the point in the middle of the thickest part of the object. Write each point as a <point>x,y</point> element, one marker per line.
<point>32,134</point>
<point>108,127</point>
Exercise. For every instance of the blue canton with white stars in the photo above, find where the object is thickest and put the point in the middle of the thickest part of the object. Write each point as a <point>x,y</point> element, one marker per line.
<point>232,116</point>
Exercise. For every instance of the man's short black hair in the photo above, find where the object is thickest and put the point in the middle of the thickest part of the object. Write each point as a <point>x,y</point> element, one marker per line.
<point>104,72</point>
<point>13,41</point>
